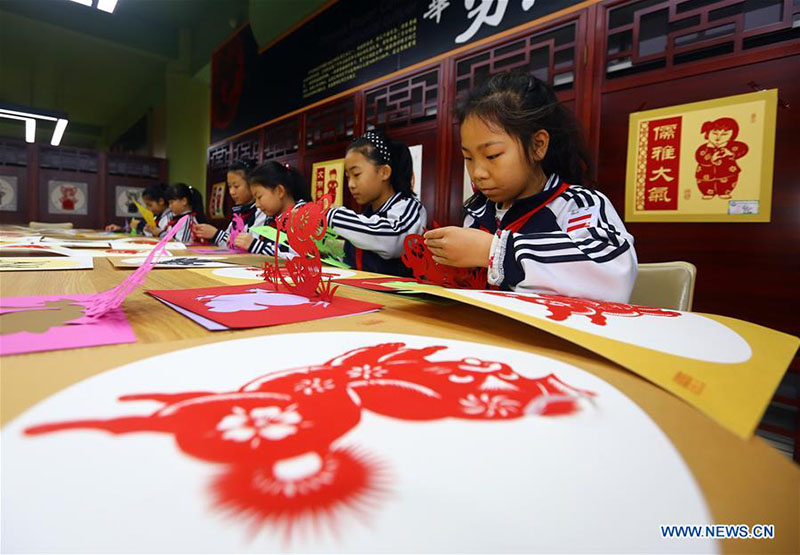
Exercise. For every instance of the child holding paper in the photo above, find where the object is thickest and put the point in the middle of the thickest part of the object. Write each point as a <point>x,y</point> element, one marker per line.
<point>277,188</point>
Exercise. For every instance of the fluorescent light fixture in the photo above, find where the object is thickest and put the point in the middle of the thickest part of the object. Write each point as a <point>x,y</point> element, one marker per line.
<point>21,113</point>
<point>30,126</point>
<point>84,2</point>
<point>26,114</point>
<point>61,125</point>
<point>106,5</point>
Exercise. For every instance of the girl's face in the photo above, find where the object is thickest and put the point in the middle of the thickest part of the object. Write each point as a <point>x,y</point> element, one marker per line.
<point>238,188</point>
<point>496,162</point>
<point>368,182</point>
<point>720,137</point>
<point>271,200</point>
<point>179,205</point>
<point>157,207</point>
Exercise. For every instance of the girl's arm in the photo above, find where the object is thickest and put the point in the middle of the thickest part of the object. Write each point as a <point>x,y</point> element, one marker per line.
<point>591,256</point>
<point>382,233</point>
<point>184,234</point>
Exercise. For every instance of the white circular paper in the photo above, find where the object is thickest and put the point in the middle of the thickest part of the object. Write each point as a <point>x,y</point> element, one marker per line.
<point>689,335</point>
<point>601,480</point>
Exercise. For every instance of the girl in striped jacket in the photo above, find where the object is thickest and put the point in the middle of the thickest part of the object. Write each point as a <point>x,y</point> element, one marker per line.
<point>184,199</point>
<point>379,173</point>
<point>244,206</point>
<point>529,222</point>
<point>276,188</point>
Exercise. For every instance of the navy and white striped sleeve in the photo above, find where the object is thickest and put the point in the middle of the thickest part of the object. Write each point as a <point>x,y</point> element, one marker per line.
<point>262,245</point>
<point>222,235</point>
<point>383,232</point>
<point>184,234</point>
<point>591,256</point>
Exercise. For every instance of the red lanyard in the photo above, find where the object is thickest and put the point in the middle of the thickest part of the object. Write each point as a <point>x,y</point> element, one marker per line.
<point>517,224</point>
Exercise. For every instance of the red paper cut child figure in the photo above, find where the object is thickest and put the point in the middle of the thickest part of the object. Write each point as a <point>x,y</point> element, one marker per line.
<point>717,171</point>
<point>275,434</point>
<point>333,183</point>
<point>69,196</point>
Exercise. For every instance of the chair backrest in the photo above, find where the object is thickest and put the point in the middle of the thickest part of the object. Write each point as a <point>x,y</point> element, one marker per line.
<point>665,285</point>
<point>45,225</point>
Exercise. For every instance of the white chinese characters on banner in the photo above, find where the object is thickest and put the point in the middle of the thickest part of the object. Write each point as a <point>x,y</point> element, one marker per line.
<point>489,12</point>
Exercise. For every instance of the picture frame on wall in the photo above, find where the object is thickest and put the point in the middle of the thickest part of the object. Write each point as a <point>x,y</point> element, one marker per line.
<point>709,161</point>
<point>67,197</point>
<point>216,201</point>
<point>126,197</point>
<point>9,193</point>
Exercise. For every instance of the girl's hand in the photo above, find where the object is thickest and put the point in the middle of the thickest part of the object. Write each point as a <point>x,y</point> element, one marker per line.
<point>204,231</point>
<point>153,230</point>
<point>113,227</point>
<point>243,241</point>
<point>459,246</point>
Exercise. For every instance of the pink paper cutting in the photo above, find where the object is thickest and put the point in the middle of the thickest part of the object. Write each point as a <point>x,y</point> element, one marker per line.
<point>49,323</point>
<point>101,303</point>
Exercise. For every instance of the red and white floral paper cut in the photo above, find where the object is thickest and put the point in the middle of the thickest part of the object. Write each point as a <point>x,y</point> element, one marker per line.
<point>363,443</point>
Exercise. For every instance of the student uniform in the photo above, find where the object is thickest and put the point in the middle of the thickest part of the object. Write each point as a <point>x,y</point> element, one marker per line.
<point>374,239</point>
<point>565,240</point>
<point>252,217</point>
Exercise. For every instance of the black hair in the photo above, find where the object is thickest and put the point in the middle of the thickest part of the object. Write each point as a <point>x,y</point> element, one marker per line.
<point>245,166</point>
<point>156,192</point>
<point>271,174</point>
<point>379,149</point>
<point>182,190</point>
<point>521,104</point>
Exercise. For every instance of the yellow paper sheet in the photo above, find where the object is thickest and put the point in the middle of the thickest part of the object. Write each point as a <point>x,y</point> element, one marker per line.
<point>148,216</point>
<point>734,392</point>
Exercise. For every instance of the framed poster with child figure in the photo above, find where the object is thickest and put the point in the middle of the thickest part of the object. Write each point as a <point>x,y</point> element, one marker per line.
<point>707,161</point>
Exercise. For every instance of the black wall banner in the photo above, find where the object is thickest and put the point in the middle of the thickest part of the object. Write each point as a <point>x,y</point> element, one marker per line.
<point>351,42</point>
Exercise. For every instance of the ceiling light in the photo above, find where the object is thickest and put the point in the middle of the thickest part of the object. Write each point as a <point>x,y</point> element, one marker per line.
<point>61,125</point>
<point>21,113</point>
<point>106,5</point>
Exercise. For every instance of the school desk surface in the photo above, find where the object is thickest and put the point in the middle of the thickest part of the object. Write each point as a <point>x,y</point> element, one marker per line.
<point>742,481</point>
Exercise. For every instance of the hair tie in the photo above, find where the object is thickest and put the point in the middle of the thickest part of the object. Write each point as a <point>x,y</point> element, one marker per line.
<point>379,144</point>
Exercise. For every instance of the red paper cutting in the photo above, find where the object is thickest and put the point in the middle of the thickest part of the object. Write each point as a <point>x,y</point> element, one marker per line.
<point>257,305</point>
<point>562,308</point>
<point>304,226</point>
<point>278,423</point>
<point>419,259</point>
<point>102,303</point>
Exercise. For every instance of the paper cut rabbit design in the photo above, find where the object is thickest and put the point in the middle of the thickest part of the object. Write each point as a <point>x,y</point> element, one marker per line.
<point>274,435</point>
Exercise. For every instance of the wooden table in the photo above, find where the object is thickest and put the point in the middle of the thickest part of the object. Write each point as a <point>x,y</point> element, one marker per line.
<point>743,481</point>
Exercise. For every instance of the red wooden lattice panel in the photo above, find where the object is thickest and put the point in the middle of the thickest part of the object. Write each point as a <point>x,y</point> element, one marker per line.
<point>134,166</point>
<point>73,159</point>
<point>282,138</point>
<point>331,124</point>
<point>13,153</point>
<point>550,56</point>
<point>219,157</point>
<point>652,34</point>
<point>404,101</point>
<point>246,148</point>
